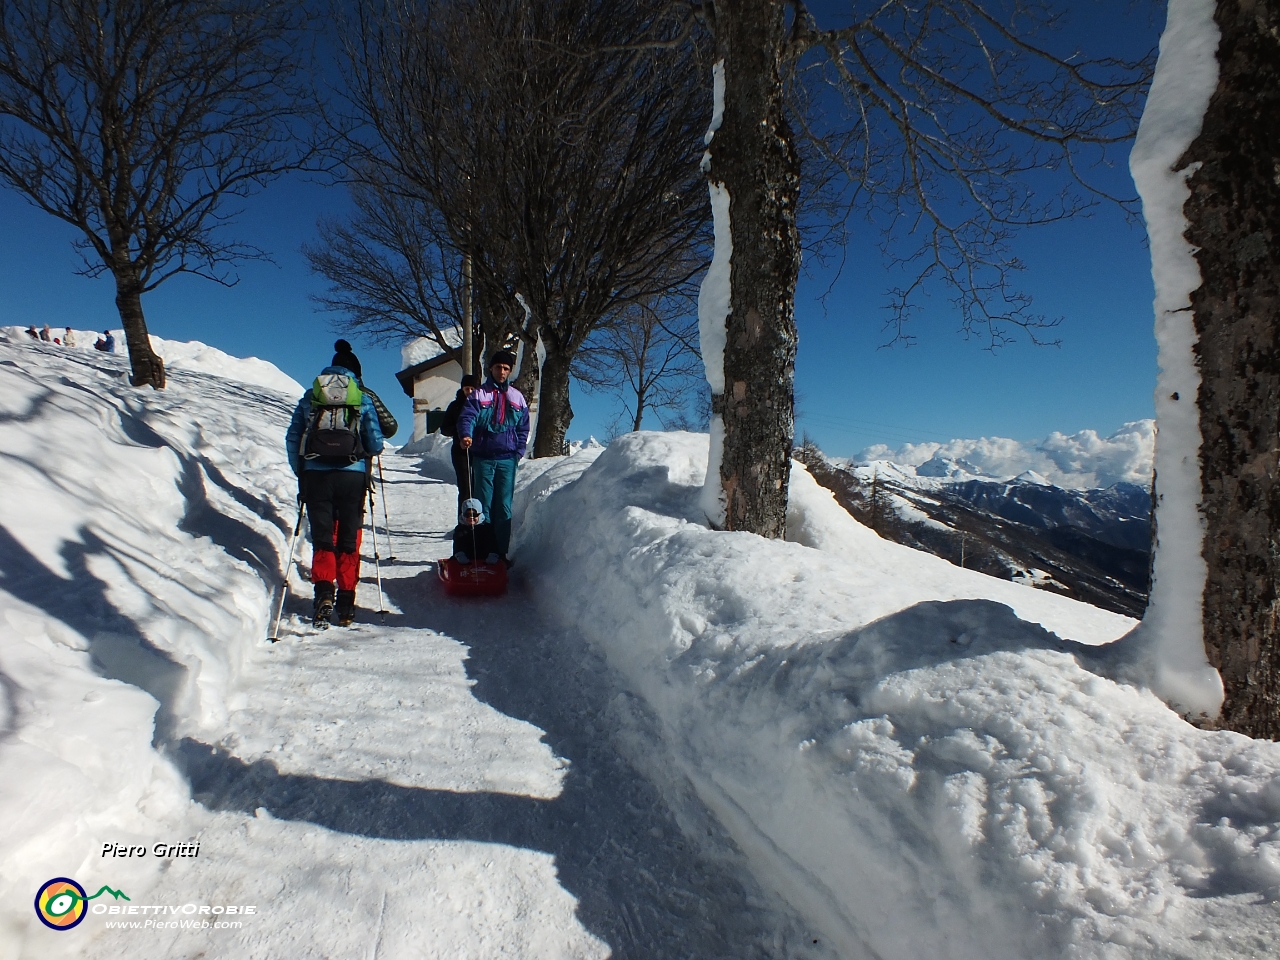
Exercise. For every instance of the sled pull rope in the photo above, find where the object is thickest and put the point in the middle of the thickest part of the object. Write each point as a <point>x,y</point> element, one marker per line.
<point>475,557</point>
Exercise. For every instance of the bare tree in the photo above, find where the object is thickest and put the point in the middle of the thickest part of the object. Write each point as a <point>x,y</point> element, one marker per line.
<point>940,115</point>
<point>562,166</point>
<point>390,276</point>
<point>650,363</point>
<point>135,121</point>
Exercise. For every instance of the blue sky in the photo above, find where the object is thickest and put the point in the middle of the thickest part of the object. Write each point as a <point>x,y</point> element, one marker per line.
<point>1093,272</point>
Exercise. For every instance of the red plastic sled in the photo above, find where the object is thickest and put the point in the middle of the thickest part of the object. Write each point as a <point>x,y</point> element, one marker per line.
<point>472,579</point>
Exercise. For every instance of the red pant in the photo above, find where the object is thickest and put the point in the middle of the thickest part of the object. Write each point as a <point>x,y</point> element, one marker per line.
<point>327,566</point>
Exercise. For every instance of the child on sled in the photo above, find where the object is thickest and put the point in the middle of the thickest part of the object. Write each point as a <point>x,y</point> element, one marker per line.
<point>473,537</point>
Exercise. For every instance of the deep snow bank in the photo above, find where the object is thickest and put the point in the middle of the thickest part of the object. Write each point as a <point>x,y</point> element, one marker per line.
<point>927,773</point>
<point>141,531</point>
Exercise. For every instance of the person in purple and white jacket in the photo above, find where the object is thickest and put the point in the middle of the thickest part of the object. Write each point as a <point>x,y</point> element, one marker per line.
<point>494,428</point>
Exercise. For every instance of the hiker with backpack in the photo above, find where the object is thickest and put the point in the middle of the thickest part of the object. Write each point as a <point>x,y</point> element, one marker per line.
<point>494,428</point>
<point>449,428</point>
<point>332,440</point>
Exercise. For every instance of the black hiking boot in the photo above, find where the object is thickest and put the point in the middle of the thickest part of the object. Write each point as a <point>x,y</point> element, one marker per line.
<point>322,609</point>
<point>345,612</point>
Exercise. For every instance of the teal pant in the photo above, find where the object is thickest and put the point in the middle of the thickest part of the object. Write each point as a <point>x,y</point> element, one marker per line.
<point>495,482</point>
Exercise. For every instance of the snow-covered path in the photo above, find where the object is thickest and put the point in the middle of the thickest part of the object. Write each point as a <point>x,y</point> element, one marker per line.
<point>481,735</point>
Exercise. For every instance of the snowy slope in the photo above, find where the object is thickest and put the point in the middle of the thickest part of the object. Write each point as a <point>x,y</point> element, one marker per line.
<point>903,748</point>
<point>666,741</point>
<point>1090,545</point>
<point>187,356</point>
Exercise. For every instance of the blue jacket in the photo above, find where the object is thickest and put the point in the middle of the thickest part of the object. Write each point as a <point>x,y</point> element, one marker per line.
<point>497,421</point>
<point>370,431</point>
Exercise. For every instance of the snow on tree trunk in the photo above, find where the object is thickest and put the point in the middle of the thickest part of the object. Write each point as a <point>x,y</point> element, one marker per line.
<point>1234,213</point>
<point>527,377</point>
<point>1170,641</point>
<point>754,174</point>
<point>713,315</point>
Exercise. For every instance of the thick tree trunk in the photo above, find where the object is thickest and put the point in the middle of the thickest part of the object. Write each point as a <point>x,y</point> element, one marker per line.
<point>641,392</point>
<point>752,154</point>
<point>554,412</point>
<point>529,383</point>
<point>1234,217</point>
<point>468,341</point>
<point>147,367</point>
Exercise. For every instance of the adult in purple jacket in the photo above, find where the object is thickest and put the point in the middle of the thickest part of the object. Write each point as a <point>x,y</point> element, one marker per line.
<point>494,427</point>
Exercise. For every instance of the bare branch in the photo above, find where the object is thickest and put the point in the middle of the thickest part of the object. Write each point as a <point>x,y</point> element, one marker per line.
<point>952,124</point>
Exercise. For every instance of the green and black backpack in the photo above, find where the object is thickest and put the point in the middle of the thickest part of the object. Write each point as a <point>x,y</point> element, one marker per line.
<point>332,437</point>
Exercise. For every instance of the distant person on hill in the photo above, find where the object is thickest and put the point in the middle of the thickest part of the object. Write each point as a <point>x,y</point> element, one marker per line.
<point>46,334</point>
<point>106,343</point>
<point>473,538</point>
<point>332,438</point>
<point>449,428</point>
<point>33,333</point>
<point>68,338</point>
<point>494,426</point>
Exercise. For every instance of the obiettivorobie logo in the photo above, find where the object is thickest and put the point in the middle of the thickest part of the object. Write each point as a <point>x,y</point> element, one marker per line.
<point>61,902</point>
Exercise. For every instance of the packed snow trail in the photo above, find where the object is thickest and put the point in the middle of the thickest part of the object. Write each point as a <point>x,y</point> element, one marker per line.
<point>470,722</point>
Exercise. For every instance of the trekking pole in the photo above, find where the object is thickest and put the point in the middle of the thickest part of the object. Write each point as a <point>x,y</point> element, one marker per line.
<point>373,511</point>
<point>377,564</point>
<point>386,521</point>
<point>288,565</point>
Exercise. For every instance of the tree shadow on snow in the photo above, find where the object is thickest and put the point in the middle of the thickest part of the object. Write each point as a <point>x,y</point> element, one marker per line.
<point>642,886</point>
<point>117,647</point>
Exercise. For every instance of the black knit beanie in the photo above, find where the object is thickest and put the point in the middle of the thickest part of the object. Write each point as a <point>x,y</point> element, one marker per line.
<point>469,380</point>
<point>344,357</point>
<point>503,356</point>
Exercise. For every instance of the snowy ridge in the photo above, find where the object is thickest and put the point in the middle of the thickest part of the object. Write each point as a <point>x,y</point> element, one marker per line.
<point>1078,461</point>
<point>1090,545</point>
<point>916,756</point>
<point>190,356</point>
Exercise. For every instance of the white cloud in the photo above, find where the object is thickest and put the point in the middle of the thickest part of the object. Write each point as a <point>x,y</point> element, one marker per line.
<point>1079,460</point>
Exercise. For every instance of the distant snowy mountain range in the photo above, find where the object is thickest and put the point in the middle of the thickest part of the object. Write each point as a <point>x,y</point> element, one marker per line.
<point>1077,461</point>
<point>966,502</point>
